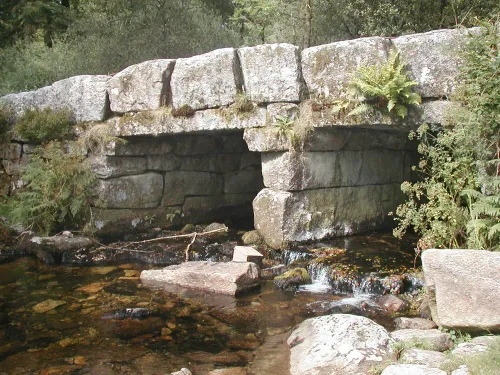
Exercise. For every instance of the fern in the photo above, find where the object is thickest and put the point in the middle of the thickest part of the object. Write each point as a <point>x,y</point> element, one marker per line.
<point>386,88</point>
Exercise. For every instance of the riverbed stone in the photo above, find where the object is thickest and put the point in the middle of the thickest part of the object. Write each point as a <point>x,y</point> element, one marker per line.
<point>141,86</point>
<point>139,191</point>
<point>109,166</point>
<point>338,343</point>
<point>179,184</point>
<point>206,81</point>
<point>225,278</point>
<point>430,358</point>
<point>463,286</point>
<point>433,59</point>
<point>47,305</point>
<point>286,217</point>
<point>328,69</point>
<point>414,323</point>
<point>430,339</point>
<point>410,369</point>
<point>271,72</point>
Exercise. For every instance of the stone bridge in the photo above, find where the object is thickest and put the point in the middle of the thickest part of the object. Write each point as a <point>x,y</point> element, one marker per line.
<point>197,151</point>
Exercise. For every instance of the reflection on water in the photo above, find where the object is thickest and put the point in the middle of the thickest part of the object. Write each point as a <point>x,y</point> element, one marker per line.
<point>51,318</point>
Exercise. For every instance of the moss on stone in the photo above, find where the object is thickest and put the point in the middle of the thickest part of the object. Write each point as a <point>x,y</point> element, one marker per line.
<point>292,278</point>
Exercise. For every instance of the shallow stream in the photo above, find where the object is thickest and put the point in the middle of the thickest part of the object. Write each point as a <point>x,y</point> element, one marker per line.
<point>66,320</point>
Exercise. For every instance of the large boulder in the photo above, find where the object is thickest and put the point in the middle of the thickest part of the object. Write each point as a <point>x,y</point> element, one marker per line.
<point>140,87</point>
<point>431,339</point>
<point>84,96</point>
<point>338,344</point>
<point>271,72</point>
<point>139,191</point>
<point>206,81</point>
<point>463,286</point>
<point>434,59</point>
<point>285,217</point>
<point>328,68</point>
<point>228,278</point>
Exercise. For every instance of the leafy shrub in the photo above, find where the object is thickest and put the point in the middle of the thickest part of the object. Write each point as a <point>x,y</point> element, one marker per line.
<point>42,125</point>
<point>385,88</point>
<point>6,121</point>
<point>57,190</point>
<point>457,202</point>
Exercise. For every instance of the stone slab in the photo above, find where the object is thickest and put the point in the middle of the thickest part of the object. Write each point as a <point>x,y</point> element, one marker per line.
<point>328,68</point>
<point>229,278</point>
<point>287,217</point>
<point>206,81</point>
<point>179,184</point>
<point>141,87</point>
<point>464,288</point>
<point>111,166</point>
<point>271,72</point>
<point>243,181</point>
<point>247,254</point>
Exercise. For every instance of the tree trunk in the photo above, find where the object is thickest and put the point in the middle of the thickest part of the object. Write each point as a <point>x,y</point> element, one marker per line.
<point>308,14</point>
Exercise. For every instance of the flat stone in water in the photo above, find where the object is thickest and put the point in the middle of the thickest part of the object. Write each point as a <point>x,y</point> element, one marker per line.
<point>47,305</point>
<point>92,288</point>
<point>103,270</point>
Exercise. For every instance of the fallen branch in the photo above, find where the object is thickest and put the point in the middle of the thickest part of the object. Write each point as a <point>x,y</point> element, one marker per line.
<point>189,246</point>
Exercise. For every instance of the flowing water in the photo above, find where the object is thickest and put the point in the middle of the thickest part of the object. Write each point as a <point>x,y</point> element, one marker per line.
<point>73,320</point>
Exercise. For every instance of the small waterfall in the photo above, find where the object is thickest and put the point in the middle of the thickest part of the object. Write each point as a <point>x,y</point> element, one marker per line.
<point>290,256</point>
<point>320,277</point>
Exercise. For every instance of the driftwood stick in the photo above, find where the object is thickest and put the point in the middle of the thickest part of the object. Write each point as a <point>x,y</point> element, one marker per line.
<point>189,247</point>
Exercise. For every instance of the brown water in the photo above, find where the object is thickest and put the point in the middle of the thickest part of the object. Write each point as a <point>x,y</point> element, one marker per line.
<point>68,335</point>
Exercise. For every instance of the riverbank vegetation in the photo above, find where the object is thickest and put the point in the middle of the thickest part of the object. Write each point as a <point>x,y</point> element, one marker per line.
<point>457,201</point>
<point>42,41</point>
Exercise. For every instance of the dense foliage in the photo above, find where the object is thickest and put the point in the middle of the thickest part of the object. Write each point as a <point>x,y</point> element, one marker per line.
<point>457,202</point>
<point>42,41</point>
<point>42,125</point>
<point>57,190</point>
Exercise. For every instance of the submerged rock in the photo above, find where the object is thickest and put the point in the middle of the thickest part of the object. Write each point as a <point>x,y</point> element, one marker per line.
<point>336,344</point>
<point>228,278</point>
<point>292,279</point>
<point>47,305</point>
<point>129,313</point>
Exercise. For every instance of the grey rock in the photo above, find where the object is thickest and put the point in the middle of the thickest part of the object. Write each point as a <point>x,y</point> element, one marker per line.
<point>251,238</point>
<point>285,110</point>
<point>462,370</point>
<point>201,121</point>
<point>408,369</point>
<point>463,286</point>
<point>271,72</point>
<point>391,303</point>
<point>247,254</point>
<point>338,344</point>
<point>431,339</point>
<point>140,87</point>
<point>139,191</point>
<point>206,81</point>
<point>288,217</point>
<point>469,348</point>
<point>250,159</point>
<point>414,323</point>
<point>179,184</point>
<point>433,59</point>
<point>423,357</point>
<point>11,151</point>
<point>486,340</point>
<point>168,162</point>
<point>205,208</point>
<point>225,278</point>
<point>61,243</point>
<point>142,147</point>
<point>244,181</point>
<point>327,69</point>
<point>183,371</point>
<point>220,163</point>
<point>111,166</point>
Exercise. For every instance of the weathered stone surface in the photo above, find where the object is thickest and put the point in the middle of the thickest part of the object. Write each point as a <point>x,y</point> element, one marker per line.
<point>392,304</point>
<point>225,278</point>
<point>111,166</point>
<point>252,238</point>
<point>327,69</point>
<point>117,222</point>
<point>338,344</point>
<point>229,371</point>
<point>430,358</point>
<point>414,323</point>
<point>61,243</point>
<point>463,285</point>
<point>11,151</point>
<point>139,191</point>
<point>431,339</point>
<point>271,72</point>
<point>220,163</point>
<point>85,96</point>
<point>247,254</point>
<point>206,208</point>
<point>282,217</point>
<point>142,146</point>
<point>433,59</point>
<point>292,171</point>
<point>469,348</point>
<point>244,181</point>
<point>183,371</point>
<point>206,81</point>
<point>179,184</point>
<point>168,162</point>
<point>462,370</point>
<point>140,87</point>
<point>408,369</point>
<point>250,159</point>
<point>145,123</point>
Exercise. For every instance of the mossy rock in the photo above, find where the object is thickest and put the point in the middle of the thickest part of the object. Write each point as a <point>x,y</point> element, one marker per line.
<point>292,279</point>
<point>252,238</point>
